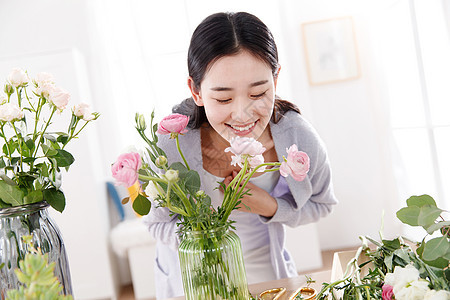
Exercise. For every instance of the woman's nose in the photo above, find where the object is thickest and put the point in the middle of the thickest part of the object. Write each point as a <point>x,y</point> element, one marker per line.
<point>242,110</point>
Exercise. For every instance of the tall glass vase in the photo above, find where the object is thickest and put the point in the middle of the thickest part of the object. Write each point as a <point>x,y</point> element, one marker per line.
<point>212,266</point>
<point>32,219</point>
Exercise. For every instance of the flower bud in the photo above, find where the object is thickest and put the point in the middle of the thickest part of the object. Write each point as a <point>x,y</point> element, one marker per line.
<point>200,194</point>
<point>172,175</point>
<point>9,89</point>
<point>161,161</point>
<point>140,121</point>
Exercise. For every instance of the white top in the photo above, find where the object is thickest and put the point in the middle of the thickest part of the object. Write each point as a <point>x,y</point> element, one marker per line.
<point>253,233</point>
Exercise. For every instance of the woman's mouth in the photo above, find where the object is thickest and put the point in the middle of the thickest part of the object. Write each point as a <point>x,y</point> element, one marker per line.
<point>243,130</point>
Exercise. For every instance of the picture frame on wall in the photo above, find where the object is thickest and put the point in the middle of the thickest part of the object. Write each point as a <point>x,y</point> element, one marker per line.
<point>330,50</point>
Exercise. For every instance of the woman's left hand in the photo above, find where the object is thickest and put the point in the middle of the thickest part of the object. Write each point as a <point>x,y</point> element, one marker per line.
<point>258,200</point>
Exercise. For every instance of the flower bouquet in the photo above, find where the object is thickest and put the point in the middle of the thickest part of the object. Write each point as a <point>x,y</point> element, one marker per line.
<point>397,269</point>
<point>203,228</point>
<point>32,156</point>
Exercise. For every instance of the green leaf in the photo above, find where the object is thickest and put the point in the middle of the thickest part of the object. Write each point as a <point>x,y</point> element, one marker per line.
<point>30,144</point>
<point>50,137</point>
<point>192,182</point>
<point>63,138</point>
<point>10,194</point>
<point>182,170</point>
<point>48,151</point>
<point>392,244</point>
<point>441,262</point>
<point>55,198</point>
<point>435,248</point>
<point>437,226</point>
<point>419,216</point>
<point>141,205</point>
<point>423,200</point>
<point>2,163</point>
<point>33,197</point>
<point>63,158</point>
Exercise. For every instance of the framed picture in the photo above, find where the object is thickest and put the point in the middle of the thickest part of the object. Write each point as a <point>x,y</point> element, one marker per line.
<point>330,50</point>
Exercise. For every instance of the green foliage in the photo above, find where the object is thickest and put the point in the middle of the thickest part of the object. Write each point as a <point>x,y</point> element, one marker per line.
<point>32,154</point>
<point>37,277</point>
<point>431,257</point>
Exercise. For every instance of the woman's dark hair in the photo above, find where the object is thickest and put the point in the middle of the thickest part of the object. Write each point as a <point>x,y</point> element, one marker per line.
<point>223,34</point>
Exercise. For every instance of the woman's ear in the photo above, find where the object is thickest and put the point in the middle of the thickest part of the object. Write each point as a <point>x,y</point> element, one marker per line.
<point>195,92</point>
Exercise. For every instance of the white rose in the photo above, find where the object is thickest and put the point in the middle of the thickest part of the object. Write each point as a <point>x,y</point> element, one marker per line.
<point>43,79</point>
<point>59,98</point>
<point>416,290</point>
<point>10,112</point>
<point>83,111</point>
<point>18,77</point>
<point>44,89</point>
<point>437,295</point>
<point>401,277</point>
<point>151,190</point>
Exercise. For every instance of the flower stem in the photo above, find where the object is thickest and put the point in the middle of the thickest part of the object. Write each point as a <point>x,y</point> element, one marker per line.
<point>20,146</point>
<point>181,153</point>
<point>43,131</point>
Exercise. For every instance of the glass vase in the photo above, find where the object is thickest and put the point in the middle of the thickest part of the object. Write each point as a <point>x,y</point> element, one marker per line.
<point>31,219</point>
<point>212,266</point>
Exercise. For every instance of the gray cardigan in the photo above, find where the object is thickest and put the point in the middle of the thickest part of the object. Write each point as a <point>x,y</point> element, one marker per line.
<point>298,202</point>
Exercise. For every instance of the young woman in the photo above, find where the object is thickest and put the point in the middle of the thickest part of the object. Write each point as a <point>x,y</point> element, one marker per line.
<point>233,69</point>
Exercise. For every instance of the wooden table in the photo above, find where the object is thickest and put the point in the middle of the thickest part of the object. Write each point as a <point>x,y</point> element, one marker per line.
<point>291,284</point>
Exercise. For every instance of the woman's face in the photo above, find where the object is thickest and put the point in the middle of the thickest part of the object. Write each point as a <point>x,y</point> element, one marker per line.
<point>238,94</point>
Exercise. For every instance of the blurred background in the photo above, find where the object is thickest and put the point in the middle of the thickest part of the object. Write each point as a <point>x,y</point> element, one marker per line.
<point>371,76</point>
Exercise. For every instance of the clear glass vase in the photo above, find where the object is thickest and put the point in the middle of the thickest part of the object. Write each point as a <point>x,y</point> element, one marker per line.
<point>31,219</point>
<point>212,266</point>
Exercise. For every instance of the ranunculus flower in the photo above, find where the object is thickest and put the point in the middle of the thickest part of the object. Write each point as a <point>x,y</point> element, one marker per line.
<point>296,164</point>
<point>388,293</point>
<point>401,277</point>
<point>59,98</point>
<point>83,111</point>
<point>244,146</point>
<point>172,175</point>
<point>125,169</point>
<point>10,112</point>
<point>173,124</point>
<point>415,290</point>
<point>18,77</point>
<point>151,190</point>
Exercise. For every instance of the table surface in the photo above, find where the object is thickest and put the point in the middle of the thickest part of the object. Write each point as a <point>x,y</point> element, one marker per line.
<point>291,284</point>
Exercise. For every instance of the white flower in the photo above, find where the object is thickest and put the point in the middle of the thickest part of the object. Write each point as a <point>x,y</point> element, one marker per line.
<point>44,78</point>
<point>401,277</point>
<point>83,111</point>
<point>59,98</point>
<point>151,190</point>
<point>10,112</point>
<point>416,290</point>
<point>18,77</point>
<point>44,89</point>
<point>437,295</point>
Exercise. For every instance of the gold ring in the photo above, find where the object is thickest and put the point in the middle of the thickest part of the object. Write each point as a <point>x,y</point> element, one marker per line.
<point>307,293</point>
<point>279,291</point>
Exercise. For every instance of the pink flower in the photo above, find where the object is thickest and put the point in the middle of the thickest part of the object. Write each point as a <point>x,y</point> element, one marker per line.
<point>388,292</point>
<point>244,146</point>
<point>296,164</point>
<point>58,97</point>
<point>83,111</point>
<point>18,77</point>
<point>173,124</point>
<point>10,112</point>
<point>125,169</point>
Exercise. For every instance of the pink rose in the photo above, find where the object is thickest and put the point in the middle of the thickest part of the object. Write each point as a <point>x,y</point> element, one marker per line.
<point>59,98</point>
<point>296,164</point>
<point>83,111</point>
<point>18,77</point>
<point>388,292</point>
<point>125,169</point>
<point>174,123</point>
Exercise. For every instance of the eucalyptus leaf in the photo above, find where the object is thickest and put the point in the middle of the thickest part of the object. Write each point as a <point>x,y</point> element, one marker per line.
<point>55,198</point>
<point>437,226</point>
<point>182,170</point>
<point>33,197</point>
<point>420,201</point>
<point>10,194</point>
<point>441,262</point>
<point>435,248</point>
<point>192,182</point>
<point>141,205</point>
<point>419,216</point>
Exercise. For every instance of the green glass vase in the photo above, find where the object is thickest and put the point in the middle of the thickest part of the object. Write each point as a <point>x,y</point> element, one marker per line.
<point>212,266</point>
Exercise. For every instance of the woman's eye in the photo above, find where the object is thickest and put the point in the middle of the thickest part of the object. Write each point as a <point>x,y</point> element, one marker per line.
<point>258,95</point>
<point>223,100</point>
